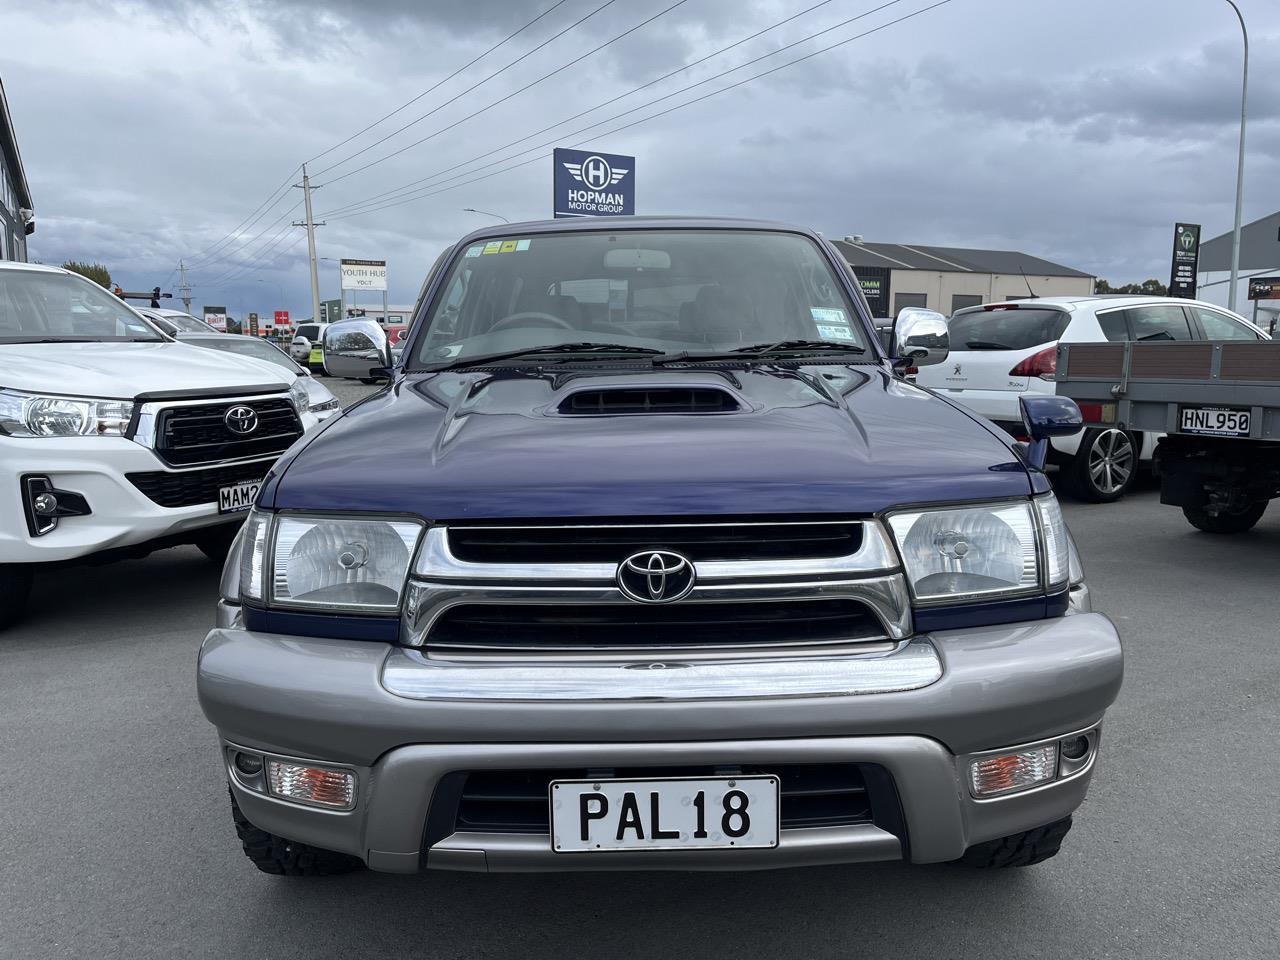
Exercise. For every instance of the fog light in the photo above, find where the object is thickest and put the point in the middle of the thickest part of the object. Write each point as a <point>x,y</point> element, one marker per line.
<point>45,504</point>
<point>1013,771</point>
<point>248,764</point>
<point>1075,748</point>
<point>313,785</point>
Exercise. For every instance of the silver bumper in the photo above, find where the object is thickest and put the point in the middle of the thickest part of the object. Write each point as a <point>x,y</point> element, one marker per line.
<point>327,700</point>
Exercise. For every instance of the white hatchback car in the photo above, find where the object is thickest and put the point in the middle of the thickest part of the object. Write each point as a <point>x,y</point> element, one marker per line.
<point>1000,351</point>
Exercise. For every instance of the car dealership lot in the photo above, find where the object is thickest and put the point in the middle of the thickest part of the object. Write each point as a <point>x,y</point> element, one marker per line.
<point>116,836</point>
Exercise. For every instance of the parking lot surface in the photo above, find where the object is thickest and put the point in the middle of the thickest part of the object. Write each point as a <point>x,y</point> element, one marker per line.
<point>116,837</point>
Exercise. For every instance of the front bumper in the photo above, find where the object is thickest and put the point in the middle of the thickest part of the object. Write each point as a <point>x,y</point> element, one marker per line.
<point>327,701</point>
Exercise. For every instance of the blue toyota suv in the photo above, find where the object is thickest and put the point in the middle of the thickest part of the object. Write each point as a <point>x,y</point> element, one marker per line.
<point>645,558</point>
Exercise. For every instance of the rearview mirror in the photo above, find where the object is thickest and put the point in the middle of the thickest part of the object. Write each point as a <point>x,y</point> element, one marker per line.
<point>920,336</point>
<point>357,349</point>
<point>637,259</point>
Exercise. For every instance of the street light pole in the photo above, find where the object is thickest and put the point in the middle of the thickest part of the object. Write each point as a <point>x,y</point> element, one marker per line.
<point>498,215</point>
<point>1244,100</point>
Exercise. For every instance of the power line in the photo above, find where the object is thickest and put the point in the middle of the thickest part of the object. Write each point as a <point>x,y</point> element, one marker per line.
<point>440,83</point>
<point>343,211</point>
<point>623,96</point>
<point>653,116</point>
<point>272,199</point>
<point>490,106</point>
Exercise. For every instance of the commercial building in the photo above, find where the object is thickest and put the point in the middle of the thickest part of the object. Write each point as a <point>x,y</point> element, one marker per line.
<point>946,279</point>
<point>1259,256</point>
<point>16,217</point>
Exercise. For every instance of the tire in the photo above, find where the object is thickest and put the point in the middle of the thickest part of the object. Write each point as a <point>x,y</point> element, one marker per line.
<point>369,380</point>
<point>215,542</point>
<point>1019,850</point>
<point>1237,522</point>
<point>285,858</point>
<point>15,587</point>
<point>1104,467</point>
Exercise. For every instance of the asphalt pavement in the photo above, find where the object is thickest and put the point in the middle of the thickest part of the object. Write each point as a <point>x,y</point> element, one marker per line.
<point>116,837</point>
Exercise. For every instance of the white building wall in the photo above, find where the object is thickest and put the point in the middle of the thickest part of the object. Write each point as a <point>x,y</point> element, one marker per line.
<point>940,286</point>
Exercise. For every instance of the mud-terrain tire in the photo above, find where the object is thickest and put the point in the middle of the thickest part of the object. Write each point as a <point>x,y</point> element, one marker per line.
<point>1019,850</point>
<point>1237,522</point>
<point>286,858</point>
<point>216,541</point>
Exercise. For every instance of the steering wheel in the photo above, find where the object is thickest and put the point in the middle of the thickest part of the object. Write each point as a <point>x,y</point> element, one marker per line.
<point>531,318</point>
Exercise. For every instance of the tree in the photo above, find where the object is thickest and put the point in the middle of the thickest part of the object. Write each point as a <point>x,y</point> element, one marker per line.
<point>1148,288</point>
<point>94,271</point>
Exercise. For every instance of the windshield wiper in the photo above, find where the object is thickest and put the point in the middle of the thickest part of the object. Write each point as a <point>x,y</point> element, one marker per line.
<point>796,348</point>
<point>560,351</point>
<point>986,345</point>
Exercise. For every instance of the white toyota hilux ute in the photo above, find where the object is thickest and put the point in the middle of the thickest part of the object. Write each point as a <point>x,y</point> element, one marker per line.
<point>115,439</point>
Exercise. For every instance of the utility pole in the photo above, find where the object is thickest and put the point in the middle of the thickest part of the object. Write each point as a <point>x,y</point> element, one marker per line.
<point>1244,100</point>
<point>184,287</point>
<point>311,225</point>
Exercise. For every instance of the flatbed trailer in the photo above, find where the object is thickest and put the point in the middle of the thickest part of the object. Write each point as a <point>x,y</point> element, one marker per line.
<point>1217,403</point>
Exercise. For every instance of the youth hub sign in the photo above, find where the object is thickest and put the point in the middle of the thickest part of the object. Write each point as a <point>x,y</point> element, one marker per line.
<point>590,184</point>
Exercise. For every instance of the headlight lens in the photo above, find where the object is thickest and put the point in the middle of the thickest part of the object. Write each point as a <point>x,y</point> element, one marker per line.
<point>327,563</point>
<point>298,393</point>
<point>969,553</point>
<point>34,415</point>
<point>1057,542</point>
<point>319,396</point>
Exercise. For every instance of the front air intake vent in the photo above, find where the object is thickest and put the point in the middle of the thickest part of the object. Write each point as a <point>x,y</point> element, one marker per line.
<point>585,403</point>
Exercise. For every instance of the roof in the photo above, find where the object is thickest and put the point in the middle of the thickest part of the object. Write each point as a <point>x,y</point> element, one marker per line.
<point>582,224</point>
<point>1259,247</point>
<point>40,267</point>
<point>9,146</point>
<point>1102,302</point>
<point>917,256</point>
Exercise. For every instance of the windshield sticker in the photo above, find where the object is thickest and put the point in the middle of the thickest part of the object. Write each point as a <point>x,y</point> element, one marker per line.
<point>493,246</point>
<point>475,251</point>
<point>522,244</point>
<point>507,246</point>
<point>832,323</point>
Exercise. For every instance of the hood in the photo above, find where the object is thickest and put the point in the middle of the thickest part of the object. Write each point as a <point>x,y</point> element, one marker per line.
<point>522,444</point>
<point>125,370</point>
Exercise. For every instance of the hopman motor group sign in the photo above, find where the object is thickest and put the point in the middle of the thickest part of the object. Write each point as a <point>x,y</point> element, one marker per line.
<point>1186,260</point>
<point>591,184</point>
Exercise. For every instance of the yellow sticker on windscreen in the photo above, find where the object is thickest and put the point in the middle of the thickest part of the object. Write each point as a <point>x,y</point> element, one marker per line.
<point>493,246</point>
<point>507,246</point>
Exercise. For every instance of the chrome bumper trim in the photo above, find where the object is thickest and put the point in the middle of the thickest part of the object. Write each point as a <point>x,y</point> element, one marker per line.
<point>911,665</point>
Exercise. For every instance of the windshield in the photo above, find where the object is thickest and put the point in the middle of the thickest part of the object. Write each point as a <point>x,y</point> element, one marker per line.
<point>51,307</point>
<point>249,347</point>
<point>308,330</point>
<point>1006,329</point>
<point>186,323</point>
<point>680,291</point>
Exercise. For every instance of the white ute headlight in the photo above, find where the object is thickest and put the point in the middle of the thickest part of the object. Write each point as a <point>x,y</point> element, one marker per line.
<point>34,415</point>
<point>299,395</point>
<point>984,551</point>
<point>327,562</point>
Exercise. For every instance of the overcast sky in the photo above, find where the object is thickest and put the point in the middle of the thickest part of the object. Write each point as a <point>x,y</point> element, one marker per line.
<point>1077,130</point>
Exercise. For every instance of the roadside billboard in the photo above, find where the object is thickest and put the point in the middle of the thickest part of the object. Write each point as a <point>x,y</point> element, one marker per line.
<point>591,184</point>
<point>1264,288</point>
<point>253,325</point>
<point>1186,260</point>
<point>364,275</point>
<point>282,318</point>
<point>216,317</point>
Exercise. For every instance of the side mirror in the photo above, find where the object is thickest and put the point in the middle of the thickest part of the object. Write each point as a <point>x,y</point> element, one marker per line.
<point>920,337</point>
<point>357,349</point>
<point>1045,417</point>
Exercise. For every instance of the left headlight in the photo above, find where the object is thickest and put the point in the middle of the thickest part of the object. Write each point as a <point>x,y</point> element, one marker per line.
<point>38,415</point>
<point>298,393</point>
<point>327,563</point>
<point>984,551</point>
<point>320,397</point>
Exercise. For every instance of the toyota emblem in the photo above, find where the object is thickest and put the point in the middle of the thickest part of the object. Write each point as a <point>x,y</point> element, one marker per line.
<point>656,576</point>
<point>241,420</point>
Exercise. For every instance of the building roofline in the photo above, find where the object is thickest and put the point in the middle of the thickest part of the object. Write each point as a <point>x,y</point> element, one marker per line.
<point>9,143</point>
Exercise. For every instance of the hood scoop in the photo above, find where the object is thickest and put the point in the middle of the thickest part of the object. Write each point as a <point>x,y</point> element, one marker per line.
<point>615,401</point>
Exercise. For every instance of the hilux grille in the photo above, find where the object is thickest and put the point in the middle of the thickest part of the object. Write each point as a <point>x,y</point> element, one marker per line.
<point>191,487</point>
<point>192,434</point>
<point>611,543</point>
<point>810,795</point>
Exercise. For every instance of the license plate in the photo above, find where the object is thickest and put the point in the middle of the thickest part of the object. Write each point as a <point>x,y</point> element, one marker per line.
<point>238,498</point>
<point>1217,421</point>
<point>717,813</point>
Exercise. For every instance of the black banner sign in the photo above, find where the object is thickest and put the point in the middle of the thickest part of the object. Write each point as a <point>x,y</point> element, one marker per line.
<point>1186,260</point>
<point>1264,288</point>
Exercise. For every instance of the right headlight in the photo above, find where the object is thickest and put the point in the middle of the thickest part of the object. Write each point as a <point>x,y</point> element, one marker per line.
<point>352,564</point>
<point>38,415</point>
<point>983,551</point>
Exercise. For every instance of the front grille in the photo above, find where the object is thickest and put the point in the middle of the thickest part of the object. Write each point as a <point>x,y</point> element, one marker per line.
<point>554,628</point>
<point>188,435</point>
<point>658,400</point>
<point>613,543</point>
<point>810,794</point>
<point>193,487</point>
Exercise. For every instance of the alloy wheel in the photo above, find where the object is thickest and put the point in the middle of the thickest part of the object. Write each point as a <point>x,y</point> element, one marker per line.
<point>1111,460</point>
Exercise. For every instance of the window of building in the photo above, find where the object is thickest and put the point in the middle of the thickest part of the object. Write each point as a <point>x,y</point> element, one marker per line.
<point>1218,326</point>
<point>961,300</point>
<point>901,300</point>
<point>1158,322</point>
